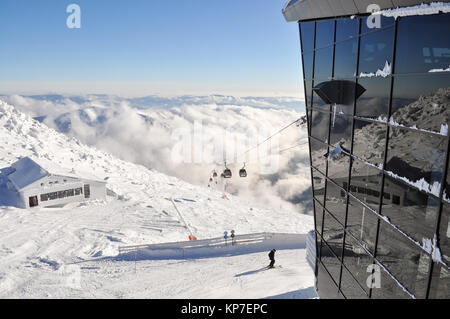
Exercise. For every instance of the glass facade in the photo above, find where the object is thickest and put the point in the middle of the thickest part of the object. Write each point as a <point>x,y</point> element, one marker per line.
<point>378,107</point>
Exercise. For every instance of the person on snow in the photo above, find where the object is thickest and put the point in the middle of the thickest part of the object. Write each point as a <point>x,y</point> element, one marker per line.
<point>272,258</point>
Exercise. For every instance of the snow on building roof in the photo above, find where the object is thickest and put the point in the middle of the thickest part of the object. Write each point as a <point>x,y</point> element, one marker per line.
<point>301,10</point>
<point>28,171</point>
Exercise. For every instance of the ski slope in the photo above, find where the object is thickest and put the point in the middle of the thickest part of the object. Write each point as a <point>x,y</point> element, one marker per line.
<point>38,246</point>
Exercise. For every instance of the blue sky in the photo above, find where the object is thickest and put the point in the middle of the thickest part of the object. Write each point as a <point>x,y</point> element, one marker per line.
<point>142,47</point>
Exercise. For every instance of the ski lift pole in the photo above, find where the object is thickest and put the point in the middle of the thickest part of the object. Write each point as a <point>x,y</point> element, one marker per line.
<point>191,236</point>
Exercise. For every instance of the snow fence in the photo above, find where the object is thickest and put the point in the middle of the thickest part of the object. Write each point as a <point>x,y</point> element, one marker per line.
<point>215,247</point>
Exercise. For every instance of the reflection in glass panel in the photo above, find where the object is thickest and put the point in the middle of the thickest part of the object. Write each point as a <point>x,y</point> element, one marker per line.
<point>330,261</point>
<point>345,59</point>
<point>336,202</point>
<point>389,288</point>
<point>423,44</point>
<point>365,183</point>
<point>319,216</point>
<point>412,211</point>
<point>308,93</point>
<point>446,192</point>
<point>325,285</point>
<point>422,101</point>
<point>385,22</point>
<point>346,29</point>
<point>350,287</point>
<point>369,141</point>
<point>307,34</point>
<point>318,155</point>
<point>341,130</point>
<point>374,102</point>
<point>406,261</point>
<point>324,33</point>
<point>318,186</point>
<point>444,233</point>
<point>323,65</point>
<point>320,125</point>
<point>415,155</point>
<point>440,283</point>
<point>357,261</point>
<point>308,62</point>
<point>333,234</point>
<point>318,103</point>
<point>362,223</point>
<point>338,170</point>
<point>376,49</point>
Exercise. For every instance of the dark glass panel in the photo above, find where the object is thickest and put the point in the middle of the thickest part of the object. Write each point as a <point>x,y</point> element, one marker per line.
<point>346,28</point>
<point>365,183</point>
<point>406,261</point>
<point>345,59</point>
<point>440,283</point>
<point>338,170</point>
<point>369,141</point>
<point>308,114</point>
<point>307,33</point>
<point>412,211</point>
<point>333,234</point>
<point>324,33</point>
<point>374,102</point>
<point>366,27</point>
<point>362,223</point>
<point>414,155</point>
<point>444,233</point>
<point>308,62</point>
<point>341,130</point>
<point>350,287</point>
<point>423,44</point>
<point>318,186</point>
<point>446,193</point>
<point>376,49</point>
<point>330,261</point>
<point>336,202</point>
<point>319,216</point>
<point>357,261</point>
<point>323,65</point>
<point>347,104</point>
<point>326,287</point>
<point>320,125</point>
<point>422,101</point>
<point>308,93</point>
<point>389,288</point>
<point>318,155</point>
<point>318,103</point>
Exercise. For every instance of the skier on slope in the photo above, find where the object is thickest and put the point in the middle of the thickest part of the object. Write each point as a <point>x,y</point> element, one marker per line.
<point>272,258</point>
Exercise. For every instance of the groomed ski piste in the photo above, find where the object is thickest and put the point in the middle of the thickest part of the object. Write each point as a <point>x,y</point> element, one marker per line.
<point>135,243</point>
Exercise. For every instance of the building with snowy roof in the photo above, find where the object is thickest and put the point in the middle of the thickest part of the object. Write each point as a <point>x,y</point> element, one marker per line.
<point>36,186</point>
<point>377,93</point>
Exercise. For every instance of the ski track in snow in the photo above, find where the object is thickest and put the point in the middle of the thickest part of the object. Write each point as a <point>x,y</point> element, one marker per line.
<point>37,245</point>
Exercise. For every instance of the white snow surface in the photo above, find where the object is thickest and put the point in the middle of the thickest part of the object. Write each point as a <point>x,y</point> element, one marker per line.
<point>385,72</point>
<point>422,9</point>
<point>439,70</point>
<point>40,247</point>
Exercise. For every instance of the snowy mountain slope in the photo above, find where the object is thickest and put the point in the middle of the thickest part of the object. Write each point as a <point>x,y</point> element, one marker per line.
<point>148,130</point>
<point>35,245</point>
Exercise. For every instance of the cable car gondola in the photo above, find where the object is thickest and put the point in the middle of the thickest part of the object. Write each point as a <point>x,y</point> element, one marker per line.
<point>243,172</point>
<point>227,172</point>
